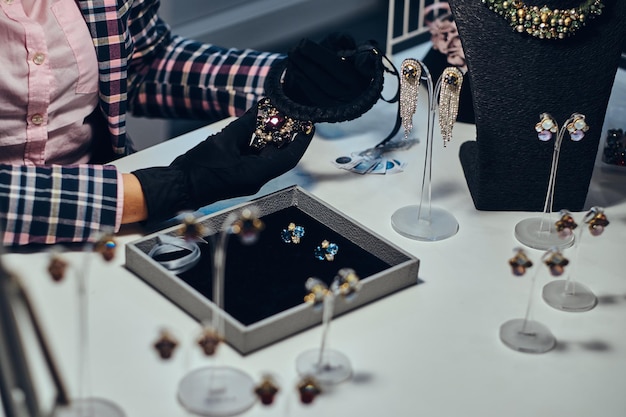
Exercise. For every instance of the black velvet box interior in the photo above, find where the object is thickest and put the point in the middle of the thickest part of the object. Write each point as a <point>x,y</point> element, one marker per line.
<point>264,283</point>
<point>267,277</point>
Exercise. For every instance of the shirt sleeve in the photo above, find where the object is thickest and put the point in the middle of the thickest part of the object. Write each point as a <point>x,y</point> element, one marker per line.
<point>57,204</point>
<point>178,77</point>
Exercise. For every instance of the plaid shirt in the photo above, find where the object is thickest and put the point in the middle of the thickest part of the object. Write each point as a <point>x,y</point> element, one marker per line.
<point>146,70</point>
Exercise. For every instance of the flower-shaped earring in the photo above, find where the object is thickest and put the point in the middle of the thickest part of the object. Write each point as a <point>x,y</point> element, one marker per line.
<point>546,127</point>
<point>577,127</point>
<point>166,344</point>
<point>520,262</point>
<point>555,260</point>
<point>348,283</point>
<point>292,234</point>
<point>326,251</point>
<point>209,340</point>
<point>248,226</point>
<point>565,225</point>
<point>318,290</point>
<point>266,390</point>
<point>596,220</point>
<point>308,389</point>
<point>106,246</point>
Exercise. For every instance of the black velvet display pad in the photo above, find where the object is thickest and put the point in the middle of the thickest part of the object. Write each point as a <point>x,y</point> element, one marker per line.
<point>268,277</point>
<point>515,78</point>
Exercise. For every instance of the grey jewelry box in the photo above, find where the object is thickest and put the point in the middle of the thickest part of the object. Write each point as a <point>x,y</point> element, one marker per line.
<point>252,318</point>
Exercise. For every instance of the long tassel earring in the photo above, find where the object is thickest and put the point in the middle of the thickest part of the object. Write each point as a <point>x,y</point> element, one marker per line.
<point>451,81</point>
<point>410,74</point>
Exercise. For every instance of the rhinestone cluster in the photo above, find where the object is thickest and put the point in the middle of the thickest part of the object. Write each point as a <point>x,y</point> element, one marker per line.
<point>543,22</point>
<point>274,127</point>
<point>326,251</point>
<point>292,234</point>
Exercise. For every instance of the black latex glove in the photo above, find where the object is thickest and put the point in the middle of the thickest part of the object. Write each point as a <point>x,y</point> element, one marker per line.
<point>222,166</point>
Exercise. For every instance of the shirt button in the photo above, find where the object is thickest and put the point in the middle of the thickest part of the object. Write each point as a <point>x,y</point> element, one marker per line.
<point>39,58</point>
<point>37,119</point>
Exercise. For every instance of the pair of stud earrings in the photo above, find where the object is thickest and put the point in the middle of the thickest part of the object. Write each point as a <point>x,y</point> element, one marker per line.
<point>208,340</point>
<point>553,259</point>
<point>106,246</point>
<point>576,126</point>
<point>308,389</point>
<point>246,225</point>
<point>294,233</point>
<point>346,284</point>
<point>595,219</point>
<point>596,222</point>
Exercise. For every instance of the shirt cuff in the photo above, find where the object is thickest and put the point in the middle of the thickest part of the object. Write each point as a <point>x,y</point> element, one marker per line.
<point>120,201</point>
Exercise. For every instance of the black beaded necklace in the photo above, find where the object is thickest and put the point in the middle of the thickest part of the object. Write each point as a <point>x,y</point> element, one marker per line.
<point>543,22</point>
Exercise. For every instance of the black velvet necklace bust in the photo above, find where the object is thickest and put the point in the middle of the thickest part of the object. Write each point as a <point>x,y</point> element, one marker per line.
<point>515,78</point>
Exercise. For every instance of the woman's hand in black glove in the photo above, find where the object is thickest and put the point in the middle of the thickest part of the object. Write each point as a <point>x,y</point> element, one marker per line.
<point>222,166</point>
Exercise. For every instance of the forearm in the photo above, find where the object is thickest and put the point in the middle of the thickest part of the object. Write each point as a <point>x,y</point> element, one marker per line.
<point>135,208</point>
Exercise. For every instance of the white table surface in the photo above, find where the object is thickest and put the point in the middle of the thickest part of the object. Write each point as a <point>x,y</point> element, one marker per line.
<point>431,349</point>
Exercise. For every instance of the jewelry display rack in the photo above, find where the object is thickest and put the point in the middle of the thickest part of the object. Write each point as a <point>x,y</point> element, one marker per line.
<point>540,232</point>
<point>85,405</point>
<point>20,386</point>
<point>568,294</point>
<point>526,335</point>
<point>424,221</point>
<point>218,390</point>
<point>328,366</point>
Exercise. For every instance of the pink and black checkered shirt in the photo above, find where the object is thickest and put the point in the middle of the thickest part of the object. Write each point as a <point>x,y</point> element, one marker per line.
<point>143,69</point>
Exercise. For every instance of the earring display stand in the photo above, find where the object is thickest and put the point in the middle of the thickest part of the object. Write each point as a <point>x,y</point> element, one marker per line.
<point>218,390</point>
<point>567,294</point>
<point>22,333</point>
<point>84,405</point>
<point>526,335</point>
<point>327,366</point>
<point>540,232</point>
<point>423,221</point>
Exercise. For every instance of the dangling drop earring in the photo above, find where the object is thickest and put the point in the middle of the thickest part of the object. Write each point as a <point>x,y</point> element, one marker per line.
<point>451,81</point>
<point>411,72</point>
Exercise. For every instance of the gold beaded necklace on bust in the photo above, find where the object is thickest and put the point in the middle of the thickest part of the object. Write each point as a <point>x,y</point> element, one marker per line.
<point>543,22</point>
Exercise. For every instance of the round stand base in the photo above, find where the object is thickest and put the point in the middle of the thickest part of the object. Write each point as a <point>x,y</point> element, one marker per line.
<point>332,369</point>
<point>529,232</point>
<point>569,297</point>
<point>89,407</point>
<point>407,222</point>
<point>216,391</point>
<point>533,338</point>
